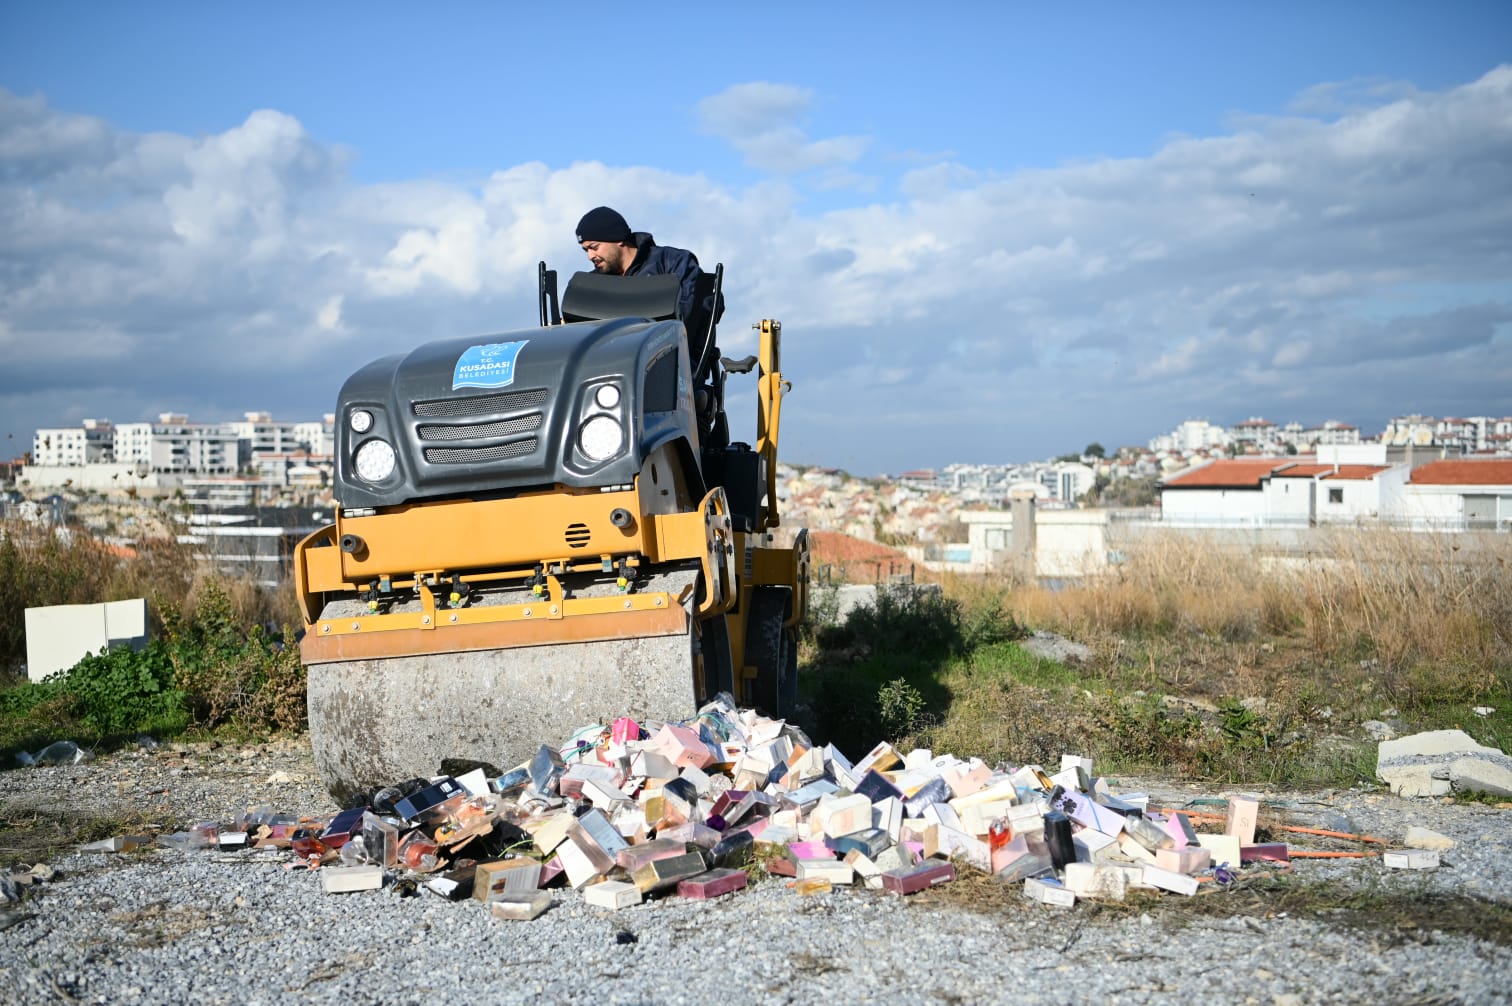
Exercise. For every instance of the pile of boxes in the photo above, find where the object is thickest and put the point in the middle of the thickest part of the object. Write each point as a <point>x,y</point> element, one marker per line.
<point>694,809</point>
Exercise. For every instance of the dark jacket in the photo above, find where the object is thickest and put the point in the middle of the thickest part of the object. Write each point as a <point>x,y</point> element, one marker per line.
<point>652,259</point>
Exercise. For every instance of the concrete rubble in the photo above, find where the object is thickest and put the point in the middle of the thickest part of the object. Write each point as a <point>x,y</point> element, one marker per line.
<point>627,812</point>
<point>1440,762</point>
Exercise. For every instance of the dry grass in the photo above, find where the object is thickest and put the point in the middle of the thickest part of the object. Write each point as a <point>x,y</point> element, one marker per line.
<point>39,568</point>
<point>1228,665</point>
<point>1427,618</point>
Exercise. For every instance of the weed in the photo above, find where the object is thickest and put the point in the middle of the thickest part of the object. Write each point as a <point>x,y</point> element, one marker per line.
<point>899,705</point>
<point>125,691</point>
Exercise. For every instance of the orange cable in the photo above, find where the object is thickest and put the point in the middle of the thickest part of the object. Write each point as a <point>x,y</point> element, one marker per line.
<point>1332,834</point>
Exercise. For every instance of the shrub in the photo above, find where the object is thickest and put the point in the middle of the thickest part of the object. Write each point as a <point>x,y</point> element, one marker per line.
<point>234,676</point>
<point>124,691</point>
<point>899,706</point>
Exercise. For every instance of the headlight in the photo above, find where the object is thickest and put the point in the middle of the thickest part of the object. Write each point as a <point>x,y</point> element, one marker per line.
<point>375,461</point>
<point>607,396</point>
<point>361,420</point>
<point>601,438</point>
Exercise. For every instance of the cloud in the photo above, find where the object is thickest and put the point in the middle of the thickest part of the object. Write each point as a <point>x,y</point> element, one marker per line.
<point>1350,266</point>
<point>764,122</point>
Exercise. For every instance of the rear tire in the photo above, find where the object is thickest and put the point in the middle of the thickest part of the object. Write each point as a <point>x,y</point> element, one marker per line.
<point>767,647</point>
<point>788,692</point>
<point>718,668</point>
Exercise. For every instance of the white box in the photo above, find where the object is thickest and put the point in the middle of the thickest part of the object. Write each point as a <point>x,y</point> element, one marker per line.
<point>613,895</point>
<point>1177,883</point>
<point>342,879</point>
<point>1411,859</point>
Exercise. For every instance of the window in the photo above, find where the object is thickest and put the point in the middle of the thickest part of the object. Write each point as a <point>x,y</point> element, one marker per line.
<point>1336,495</point>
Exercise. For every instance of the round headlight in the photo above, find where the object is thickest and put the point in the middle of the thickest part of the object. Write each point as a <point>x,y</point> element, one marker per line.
<point>361,420</point>
<point>607,396</point>
<point>601,438</point>
<point>375,461</point>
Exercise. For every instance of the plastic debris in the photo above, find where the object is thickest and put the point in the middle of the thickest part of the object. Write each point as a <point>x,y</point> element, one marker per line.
<point>56,753</point>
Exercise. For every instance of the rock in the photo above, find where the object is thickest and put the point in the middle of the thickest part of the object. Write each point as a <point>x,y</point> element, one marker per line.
<point>1378,731</point>
<point>1049,646</point>
<point>1425,764</point>
<point>1427,838</point>
<point>1482,774</point>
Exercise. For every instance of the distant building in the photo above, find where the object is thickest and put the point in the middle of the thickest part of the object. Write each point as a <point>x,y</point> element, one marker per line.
<point>1273,491</point>
<point>1476,494</point>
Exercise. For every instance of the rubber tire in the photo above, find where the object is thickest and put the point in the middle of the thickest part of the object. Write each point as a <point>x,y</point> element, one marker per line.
<point>718,667</point>
<point>788,693</point>
<point>766,646</point>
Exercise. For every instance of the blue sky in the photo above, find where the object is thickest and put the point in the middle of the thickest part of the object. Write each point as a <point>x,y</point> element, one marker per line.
<point>992,231</point>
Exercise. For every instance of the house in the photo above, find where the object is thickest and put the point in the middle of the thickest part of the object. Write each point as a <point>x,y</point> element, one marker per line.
<point>1235,491</point>
<point>1301,491</point>
<point>1472,494</point>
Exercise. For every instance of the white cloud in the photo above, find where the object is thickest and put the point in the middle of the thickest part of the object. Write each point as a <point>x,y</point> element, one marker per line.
<point>1346,267</point>
<point>764,122</point>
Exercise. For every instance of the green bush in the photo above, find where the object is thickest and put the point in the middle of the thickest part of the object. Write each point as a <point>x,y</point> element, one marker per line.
<point>233,676</point>
<point>124,691</point>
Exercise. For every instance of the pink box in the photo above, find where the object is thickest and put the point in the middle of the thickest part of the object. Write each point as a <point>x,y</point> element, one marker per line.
<point>683,746</point>
<point>1268,852</point>
<point>917,879</point>
<point>1006,854</point>
<point>1192,859</point>
<point>810,850</point>
<point>712,884</point>
<point>1242,817</point>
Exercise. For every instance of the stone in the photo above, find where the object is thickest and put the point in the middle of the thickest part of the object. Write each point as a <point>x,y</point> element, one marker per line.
<point>1427,838</point>
<point>1490,774</point>
<point>1423,764</point>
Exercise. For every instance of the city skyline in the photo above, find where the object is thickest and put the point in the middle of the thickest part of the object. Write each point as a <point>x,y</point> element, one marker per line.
<point>1047,230</point>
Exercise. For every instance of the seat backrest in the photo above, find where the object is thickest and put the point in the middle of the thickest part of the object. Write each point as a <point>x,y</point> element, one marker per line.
<point>707,297</point>
<point>593,296</point>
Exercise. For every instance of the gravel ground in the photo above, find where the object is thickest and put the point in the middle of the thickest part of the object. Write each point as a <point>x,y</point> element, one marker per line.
<point>171,926</point>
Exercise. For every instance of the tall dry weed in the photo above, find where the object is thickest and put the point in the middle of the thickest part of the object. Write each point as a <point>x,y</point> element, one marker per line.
<point>1428,615</point>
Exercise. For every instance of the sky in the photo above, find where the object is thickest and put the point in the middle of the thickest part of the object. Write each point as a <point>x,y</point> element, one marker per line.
<point>993,232</point>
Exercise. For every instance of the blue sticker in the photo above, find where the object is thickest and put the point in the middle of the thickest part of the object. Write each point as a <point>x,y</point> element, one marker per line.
<point>490,366</point>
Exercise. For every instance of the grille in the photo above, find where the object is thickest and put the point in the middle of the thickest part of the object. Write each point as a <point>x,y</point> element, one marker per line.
<point>482,405</point>
<point>501,428</point>
<point>474,455</point>
<point>578,535</point>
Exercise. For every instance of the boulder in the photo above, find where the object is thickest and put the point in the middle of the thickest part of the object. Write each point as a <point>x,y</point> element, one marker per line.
<point>1435,762</point>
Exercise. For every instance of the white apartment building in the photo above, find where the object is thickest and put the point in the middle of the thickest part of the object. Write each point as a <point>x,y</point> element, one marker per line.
<point>175,445</point>
<point>1192,435</point>
<point>89,443</point>
<point>261,434</point>
<point>58,447</point>
<point>318,438</point>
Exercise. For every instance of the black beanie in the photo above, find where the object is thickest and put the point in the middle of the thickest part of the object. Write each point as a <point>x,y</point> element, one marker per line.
<point>602,224</point>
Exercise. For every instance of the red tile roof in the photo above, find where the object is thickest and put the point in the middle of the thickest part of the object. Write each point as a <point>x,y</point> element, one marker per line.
<point>1229,473</point>
<point>1464,473</point>
<point>1304,471</point>
<point>1357,472</point>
